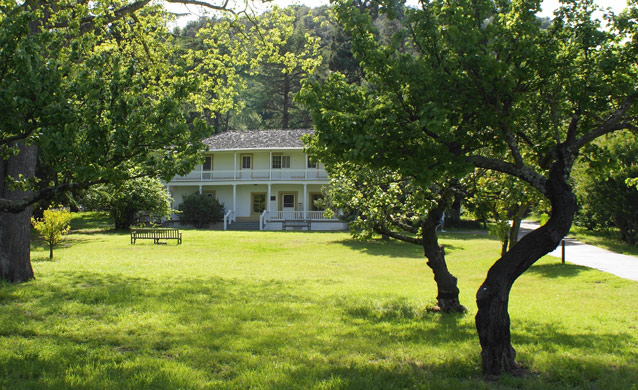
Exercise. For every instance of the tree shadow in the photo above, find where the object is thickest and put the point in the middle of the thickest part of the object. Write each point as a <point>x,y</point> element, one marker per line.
<point>390,248</point>
<point>160,334</point>
<point>556,270</point>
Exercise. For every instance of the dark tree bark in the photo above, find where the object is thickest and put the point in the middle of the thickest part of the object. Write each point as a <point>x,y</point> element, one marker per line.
<point>446,283</point>
<point>15,228</point>
<point>492,319</point>
<point>447,290</point>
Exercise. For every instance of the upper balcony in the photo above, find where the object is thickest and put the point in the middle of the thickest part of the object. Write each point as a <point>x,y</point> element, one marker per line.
<point>312,174</point>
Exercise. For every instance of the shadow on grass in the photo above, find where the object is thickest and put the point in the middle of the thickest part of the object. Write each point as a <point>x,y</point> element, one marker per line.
<point>112,331</point>
<point>556,270</point>
<point>390,248</point>
<point>41,259</point>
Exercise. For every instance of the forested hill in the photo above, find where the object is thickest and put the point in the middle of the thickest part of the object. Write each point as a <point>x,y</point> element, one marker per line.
<point>267,86</point>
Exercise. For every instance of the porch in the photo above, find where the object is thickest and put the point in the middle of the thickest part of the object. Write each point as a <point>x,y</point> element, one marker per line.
<point>279,220</point>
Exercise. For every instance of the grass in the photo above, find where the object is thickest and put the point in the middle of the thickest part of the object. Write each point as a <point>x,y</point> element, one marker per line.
<point>609,239</point>
<point>292,310</point>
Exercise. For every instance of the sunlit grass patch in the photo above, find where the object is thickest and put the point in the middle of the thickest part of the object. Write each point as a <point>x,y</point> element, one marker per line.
<point>272,310</point>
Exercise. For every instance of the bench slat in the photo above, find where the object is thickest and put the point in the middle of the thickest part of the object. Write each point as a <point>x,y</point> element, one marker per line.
<point>156,234</point>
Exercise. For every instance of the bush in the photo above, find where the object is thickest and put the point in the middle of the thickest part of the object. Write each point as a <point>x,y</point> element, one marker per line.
<point>136,199</point>
<point>52,226</point>
<point>200,210</point>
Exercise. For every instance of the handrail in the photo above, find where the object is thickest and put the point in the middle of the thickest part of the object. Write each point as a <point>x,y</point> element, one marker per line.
<point>254,174</point>
<point>262,220</point>
<point>227,219</point>
<point>297,215</point>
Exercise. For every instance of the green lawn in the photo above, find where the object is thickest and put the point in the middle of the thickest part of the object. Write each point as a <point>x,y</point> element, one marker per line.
<point>605,239</point>
<point>288,310</point>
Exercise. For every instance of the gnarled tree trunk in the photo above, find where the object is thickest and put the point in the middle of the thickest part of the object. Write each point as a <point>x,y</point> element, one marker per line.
<point>492,319</point>
<point>447,291</point>
<point>15,229</point>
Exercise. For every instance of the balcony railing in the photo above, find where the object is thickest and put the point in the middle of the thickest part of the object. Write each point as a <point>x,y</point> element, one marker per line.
<point>255,174</point>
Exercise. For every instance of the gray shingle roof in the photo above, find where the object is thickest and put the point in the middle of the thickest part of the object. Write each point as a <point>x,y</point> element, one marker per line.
<point>257,139</point>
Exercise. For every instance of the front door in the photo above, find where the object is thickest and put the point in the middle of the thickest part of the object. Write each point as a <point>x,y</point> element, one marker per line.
<point>257,204</point>
<point>287,202</point>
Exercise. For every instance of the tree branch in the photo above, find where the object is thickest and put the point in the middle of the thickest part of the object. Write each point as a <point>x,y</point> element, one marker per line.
<point>611,124</point>
<point>524,172</point>
<point>401,237</point>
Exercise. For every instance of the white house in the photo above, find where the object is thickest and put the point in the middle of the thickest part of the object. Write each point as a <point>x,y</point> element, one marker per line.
<point>263,178</point>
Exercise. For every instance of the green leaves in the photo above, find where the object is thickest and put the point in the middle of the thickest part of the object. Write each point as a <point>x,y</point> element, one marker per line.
<point>54,224</point>
<point>104,100</point>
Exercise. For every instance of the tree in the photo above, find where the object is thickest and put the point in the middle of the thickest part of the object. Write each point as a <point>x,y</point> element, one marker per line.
<point>52,226</point>
<point>92,92</point>
<point>200,209</point>
<point>603,186</point>
<point>386,203</point>
<point>483,85</point>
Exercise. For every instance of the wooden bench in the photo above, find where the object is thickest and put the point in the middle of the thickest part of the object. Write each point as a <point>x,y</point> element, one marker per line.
<point>296,223</point>
<point>156,234</point>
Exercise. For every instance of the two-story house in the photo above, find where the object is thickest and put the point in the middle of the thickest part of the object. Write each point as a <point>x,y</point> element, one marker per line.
<point>263,178</point>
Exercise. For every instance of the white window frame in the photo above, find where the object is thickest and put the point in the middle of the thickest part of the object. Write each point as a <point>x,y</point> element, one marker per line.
<point>207,159</point>
<point>249,158</point>
<point>280,161</point>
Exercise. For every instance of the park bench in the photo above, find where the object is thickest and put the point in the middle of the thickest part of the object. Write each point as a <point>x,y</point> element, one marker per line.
<point>156,234</point>
<point>295,223</point>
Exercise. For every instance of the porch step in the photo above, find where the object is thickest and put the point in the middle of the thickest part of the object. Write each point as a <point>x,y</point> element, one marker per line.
<point>244,225</point>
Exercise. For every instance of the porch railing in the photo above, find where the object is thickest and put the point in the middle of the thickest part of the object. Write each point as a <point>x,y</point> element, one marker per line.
<point>278,216</point>
<point>228,218</point>
<point>254,174</point>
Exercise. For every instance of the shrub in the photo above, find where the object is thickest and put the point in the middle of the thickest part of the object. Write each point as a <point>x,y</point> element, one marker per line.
<point>141,197</point>
<point>200,209</point>
<point>52,226</point>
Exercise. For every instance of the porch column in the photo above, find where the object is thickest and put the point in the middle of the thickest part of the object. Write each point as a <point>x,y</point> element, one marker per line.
<point>234,202</point>
<point>269,174</point>
<point>305,201</point>
<point>268,200</point>
<point>235,166</point>
<point>200,189</point>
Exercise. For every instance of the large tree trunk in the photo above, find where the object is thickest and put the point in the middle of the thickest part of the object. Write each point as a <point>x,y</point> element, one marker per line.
<point>15,229</point>
<point>446,283</point>
<point>492,319</point>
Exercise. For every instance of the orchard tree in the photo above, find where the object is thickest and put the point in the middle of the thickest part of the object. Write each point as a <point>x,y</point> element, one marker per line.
<point>91,92</point>
<point>389,204</point>
<point>483,84</point>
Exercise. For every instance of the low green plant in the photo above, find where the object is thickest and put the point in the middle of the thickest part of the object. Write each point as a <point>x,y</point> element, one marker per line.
<point>53,225</point>
<point>200,209</point>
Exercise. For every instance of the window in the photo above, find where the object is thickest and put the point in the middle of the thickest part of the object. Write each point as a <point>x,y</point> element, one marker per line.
<point>259,203</point>
<point>288,200</point>
<point>279,161</point>
<point>246,161</point>
<point>208,164</point>
<point>210,193</point>
<point>312,164</point>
